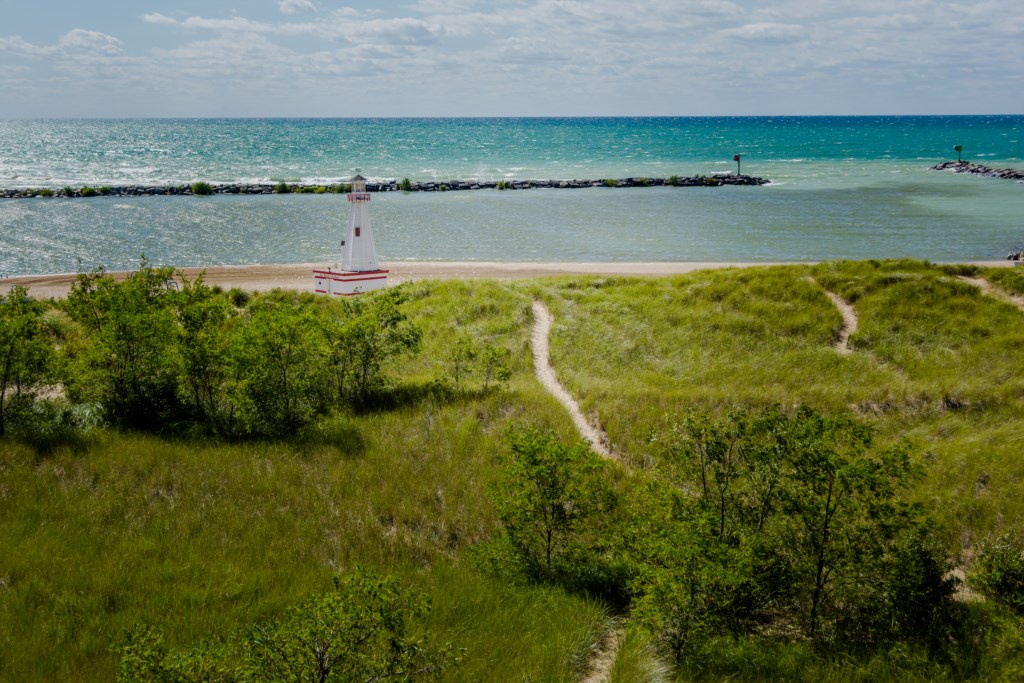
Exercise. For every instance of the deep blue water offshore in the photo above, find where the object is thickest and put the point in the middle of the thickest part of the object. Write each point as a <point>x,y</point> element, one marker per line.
<point>842,187</point>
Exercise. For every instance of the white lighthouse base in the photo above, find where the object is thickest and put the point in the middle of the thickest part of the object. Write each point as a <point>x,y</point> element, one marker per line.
<point>348,282</point>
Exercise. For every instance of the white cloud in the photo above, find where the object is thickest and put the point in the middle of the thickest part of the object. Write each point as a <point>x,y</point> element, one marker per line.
<point>82,40</point>
<point>157,18</point>
<point>22,47</point>
<point>77,41</point>
<point>644,56</point>
<point>766,31</point>
<point>294,6</point>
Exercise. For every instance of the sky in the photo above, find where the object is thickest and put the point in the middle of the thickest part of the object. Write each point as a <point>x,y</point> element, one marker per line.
<point>321,58</point>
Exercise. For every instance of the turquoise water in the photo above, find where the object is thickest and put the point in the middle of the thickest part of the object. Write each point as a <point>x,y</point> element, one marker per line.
<point>842,187</point>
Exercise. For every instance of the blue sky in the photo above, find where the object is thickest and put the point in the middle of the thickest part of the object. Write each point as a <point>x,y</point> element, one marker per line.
<point>509,58</point>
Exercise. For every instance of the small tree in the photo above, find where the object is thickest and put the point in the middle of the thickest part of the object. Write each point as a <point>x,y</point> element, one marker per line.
<point>1000,573</point>
<point>548,497</point>
<point>26,352</point>
<point>202,346</point>
<point>278,369</point>
<point>791,518</point>
<point>494,365</point>
<point>363,337</point>
<point>461,357</point>
<point>128,361</point>
<point>358,632</point>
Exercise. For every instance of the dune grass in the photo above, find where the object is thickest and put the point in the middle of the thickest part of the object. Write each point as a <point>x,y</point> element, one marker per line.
<point>205,538</point>
<point>934,360</point>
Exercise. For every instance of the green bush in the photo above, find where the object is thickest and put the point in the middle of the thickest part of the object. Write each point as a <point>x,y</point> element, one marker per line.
<point>45,192</point>
<point>360,631</point>
<point>89,192</point>
<point>611,182</point>
<point>1000,573</point>
<point>282,188</point>
<point>202,188</point>
<point>405,185</point>
<point>551,498</point>
<point>105,190</point>
<point>238,297</point>
<point>672,180</point>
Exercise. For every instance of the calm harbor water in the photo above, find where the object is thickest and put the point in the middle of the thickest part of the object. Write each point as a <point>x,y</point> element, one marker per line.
<point>843,187</point>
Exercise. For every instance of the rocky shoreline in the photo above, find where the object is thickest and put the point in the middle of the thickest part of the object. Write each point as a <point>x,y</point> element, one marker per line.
<point>980,169</point>
<point>390,186</point>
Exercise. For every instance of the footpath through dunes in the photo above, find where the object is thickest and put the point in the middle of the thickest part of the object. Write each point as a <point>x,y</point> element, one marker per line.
<point>842,342</point>
<point>546,374</point>
<point>989,289</point>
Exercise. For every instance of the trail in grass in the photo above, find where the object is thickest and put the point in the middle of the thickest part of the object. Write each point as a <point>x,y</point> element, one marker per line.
<point>842,344</point>
<point>989,289</point>
<point>599,669</point>
<point>546,374</point>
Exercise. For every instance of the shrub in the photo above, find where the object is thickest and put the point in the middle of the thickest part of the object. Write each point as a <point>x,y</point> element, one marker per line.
<point>67,191</point>
<point>26,354</point>
<point>282,188</point>
<point>363,630</point>
<point>129,362</point>
<point>238,297</point>
<point>672,180</point>
<point>502,185</point>
<point>1000,573</point>
<point>45,192</point>
<point>202,188</point>
<point>550,497</point>
<point>405,185</point>
<point>105,190</point>
<point>611,182</point>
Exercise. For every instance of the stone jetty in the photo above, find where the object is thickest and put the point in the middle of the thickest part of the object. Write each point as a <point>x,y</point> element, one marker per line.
<point>386,186</point>
<point>979,169</point>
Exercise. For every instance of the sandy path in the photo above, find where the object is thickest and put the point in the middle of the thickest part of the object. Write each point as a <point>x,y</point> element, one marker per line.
<point>601,663</point>
<point>842,344</point>
<point>546,374</point>
<point>989,289</point>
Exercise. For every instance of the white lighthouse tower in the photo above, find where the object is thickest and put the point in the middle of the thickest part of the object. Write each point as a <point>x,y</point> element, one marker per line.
<point>360,271</point>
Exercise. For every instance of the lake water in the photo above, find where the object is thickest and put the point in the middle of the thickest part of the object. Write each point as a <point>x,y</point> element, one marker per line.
<point>842,187</point>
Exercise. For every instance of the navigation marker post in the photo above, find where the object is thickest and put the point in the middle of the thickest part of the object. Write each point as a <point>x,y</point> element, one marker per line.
<point>736,158</point>
<point>958,148</point>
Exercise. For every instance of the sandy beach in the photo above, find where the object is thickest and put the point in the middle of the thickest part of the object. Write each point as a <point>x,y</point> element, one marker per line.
<point>299,276</point>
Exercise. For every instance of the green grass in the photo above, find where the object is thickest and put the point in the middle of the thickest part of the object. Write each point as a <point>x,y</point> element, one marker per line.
<point>935,360</point>
<point>1010,279</point>
<point>203,538</point>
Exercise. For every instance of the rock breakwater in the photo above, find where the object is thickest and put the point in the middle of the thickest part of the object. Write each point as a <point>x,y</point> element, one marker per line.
<point>387,186</point>
<point>980,169</point>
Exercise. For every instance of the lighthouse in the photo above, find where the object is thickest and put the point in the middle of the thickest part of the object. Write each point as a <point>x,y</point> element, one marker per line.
<point>360,271</point>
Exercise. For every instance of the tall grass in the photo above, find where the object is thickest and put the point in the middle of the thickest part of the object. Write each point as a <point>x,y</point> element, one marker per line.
<point>934,360</point>
<point>203,539</point>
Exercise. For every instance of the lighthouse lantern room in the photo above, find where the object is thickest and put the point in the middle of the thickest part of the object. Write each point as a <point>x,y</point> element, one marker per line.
<point>360,271</point>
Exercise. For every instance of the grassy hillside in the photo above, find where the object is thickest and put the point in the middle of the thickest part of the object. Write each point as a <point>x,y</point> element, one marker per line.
<point>205,537</point>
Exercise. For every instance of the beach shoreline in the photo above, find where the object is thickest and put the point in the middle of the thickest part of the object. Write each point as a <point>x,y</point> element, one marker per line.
<point>299,276</point>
